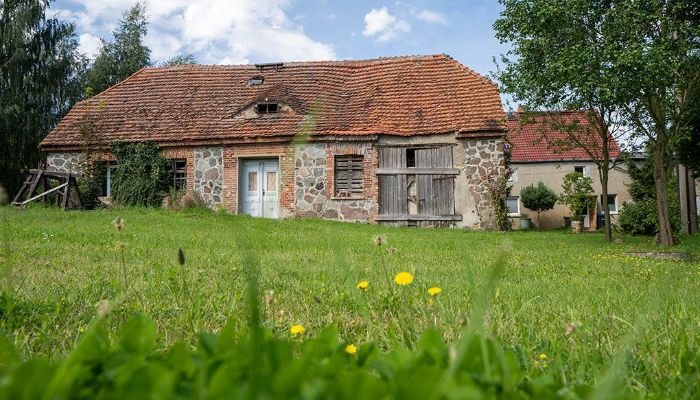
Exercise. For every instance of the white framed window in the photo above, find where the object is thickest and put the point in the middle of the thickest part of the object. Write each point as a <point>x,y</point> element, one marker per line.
<point>581,169</point>
<point>108,184</point>
<point>513,175</point>
<point>513,205</point>
<point>612,203</point>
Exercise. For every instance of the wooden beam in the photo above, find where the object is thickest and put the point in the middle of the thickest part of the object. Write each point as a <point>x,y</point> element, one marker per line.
<point>40,195</point>
<point>414,217</point>
<point>417,171</point>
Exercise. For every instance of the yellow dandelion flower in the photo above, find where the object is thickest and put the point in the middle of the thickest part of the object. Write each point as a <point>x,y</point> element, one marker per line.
<point>434,291</point>
<point>362,285</point>
<point>297,330</point>
<point>403,278</point>
<point>543,356</point>
<point>351,349</point>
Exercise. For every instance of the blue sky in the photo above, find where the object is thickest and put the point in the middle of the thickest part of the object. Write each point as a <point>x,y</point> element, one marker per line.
<point>254,31</point>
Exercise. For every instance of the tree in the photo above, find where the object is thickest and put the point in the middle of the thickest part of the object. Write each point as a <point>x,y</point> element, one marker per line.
<point>180,59</point>
<point>577,194</point>
<point>118,60</point>
<point>689,144</point>
<point>538,198</point>
<point>622,58</point>
<point>558,62</point>
<point>656,49</point>
<point>41,77</point>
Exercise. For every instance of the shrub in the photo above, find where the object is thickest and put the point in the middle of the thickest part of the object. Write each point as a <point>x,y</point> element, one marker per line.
<point>142,175</point>
<point>538,198</point>
<point>578,194</point>
<point>91,184</point>
<point>641,217</point>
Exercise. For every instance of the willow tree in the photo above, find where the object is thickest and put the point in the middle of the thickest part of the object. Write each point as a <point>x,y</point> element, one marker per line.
<point>41,74</point>
<point>617,59</point>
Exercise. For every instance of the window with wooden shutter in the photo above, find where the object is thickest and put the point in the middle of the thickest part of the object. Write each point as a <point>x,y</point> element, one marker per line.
<point>349,175</point>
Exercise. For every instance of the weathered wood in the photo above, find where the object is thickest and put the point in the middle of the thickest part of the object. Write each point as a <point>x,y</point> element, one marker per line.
<point>414,217</point>
<point>416,171</point>
<point>59,187</point>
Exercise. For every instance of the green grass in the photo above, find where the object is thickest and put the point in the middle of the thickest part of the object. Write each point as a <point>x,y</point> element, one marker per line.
<point>573,297</point>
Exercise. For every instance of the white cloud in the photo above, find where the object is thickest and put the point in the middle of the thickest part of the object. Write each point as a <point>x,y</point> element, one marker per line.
<point>89,44</point>
<point>432,17</point>
<point>215,31</point>
<point>379,22</point>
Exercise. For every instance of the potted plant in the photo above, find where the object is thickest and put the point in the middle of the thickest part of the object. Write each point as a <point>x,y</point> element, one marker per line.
<point>525,222</point>
<point>578,196</point>
<point>538,198</point>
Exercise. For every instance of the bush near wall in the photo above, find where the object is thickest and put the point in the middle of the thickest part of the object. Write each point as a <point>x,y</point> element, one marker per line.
<point>142,175</point>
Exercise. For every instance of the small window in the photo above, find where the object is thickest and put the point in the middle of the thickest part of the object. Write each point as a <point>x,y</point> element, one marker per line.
<point>513,205</point>
<point>513,175</point>
<point>349,175</point>
<point>411,158</point>
<point>271,181</point>
<point>581,170</point>
<point>267,108</point>
<point>612,202</point>
<point>256,80</point>
<point>252,181</point>
<point>179,174</point>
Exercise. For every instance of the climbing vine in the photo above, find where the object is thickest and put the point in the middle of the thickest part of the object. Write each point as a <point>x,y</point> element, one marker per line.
<point>141,177</point>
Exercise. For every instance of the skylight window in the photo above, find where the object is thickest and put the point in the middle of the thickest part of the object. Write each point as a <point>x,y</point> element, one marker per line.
<point>257,80</point>
<point>267,108</point>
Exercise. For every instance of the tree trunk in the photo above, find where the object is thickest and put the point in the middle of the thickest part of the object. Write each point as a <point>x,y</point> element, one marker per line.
<point>661,161</point>
<point>604,172</point>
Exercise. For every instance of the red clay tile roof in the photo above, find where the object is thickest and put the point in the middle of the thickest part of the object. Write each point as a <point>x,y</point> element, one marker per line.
<point>406,96</point>
<point>535,139</point>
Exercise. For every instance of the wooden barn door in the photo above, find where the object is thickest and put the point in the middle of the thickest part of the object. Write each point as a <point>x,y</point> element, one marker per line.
<point>416,186</point>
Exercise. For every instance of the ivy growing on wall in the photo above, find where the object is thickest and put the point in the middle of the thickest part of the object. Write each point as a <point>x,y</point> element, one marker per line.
<point>141,177</point>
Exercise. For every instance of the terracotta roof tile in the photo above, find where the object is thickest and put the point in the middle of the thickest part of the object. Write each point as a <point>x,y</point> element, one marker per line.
<point>406,96</point>
<point>534,139</point>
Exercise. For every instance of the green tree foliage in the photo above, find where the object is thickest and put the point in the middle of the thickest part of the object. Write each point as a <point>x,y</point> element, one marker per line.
<point>538,198</point>
<point>577,194</point>
<point>639,217</point>
<point>41,77</point>
<point>180,59</point>
<point>124,56</point>
<point>142,175</point>
<point>547,72</point>
<point>625,58</point>
<point>689,143</point>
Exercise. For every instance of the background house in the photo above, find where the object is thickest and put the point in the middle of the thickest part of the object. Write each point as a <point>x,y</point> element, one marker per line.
<point>399,141</point>
<point>535,158</point>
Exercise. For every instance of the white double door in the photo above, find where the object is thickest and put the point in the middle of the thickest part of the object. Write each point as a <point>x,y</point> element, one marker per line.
<point>260,183</point>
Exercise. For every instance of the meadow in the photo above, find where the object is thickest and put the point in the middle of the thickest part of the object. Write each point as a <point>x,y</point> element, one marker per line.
<point>570,306</point>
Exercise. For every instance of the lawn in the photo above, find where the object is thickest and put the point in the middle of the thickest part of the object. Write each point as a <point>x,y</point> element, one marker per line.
<point>574,298</point>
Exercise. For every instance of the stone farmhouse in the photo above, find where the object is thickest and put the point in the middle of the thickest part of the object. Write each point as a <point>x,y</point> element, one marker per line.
<point>535,156</point>
<point>399,141</point>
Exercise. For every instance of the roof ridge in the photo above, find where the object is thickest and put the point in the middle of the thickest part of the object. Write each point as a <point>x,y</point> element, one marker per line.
<point>299,63</point>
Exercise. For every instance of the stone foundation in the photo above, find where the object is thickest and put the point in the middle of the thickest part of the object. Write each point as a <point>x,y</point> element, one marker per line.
<point>208,171</point>
<point>65,162</point>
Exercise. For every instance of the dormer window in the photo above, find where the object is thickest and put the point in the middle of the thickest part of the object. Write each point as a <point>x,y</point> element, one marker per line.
<point>267,108</point>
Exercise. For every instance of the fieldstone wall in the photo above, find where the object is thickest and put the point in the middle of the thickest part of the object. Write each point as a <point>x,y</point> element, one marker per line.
<point>484,163</point>
<point>208,171</point>
<point>313,193</point>
<point>65,162</point>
